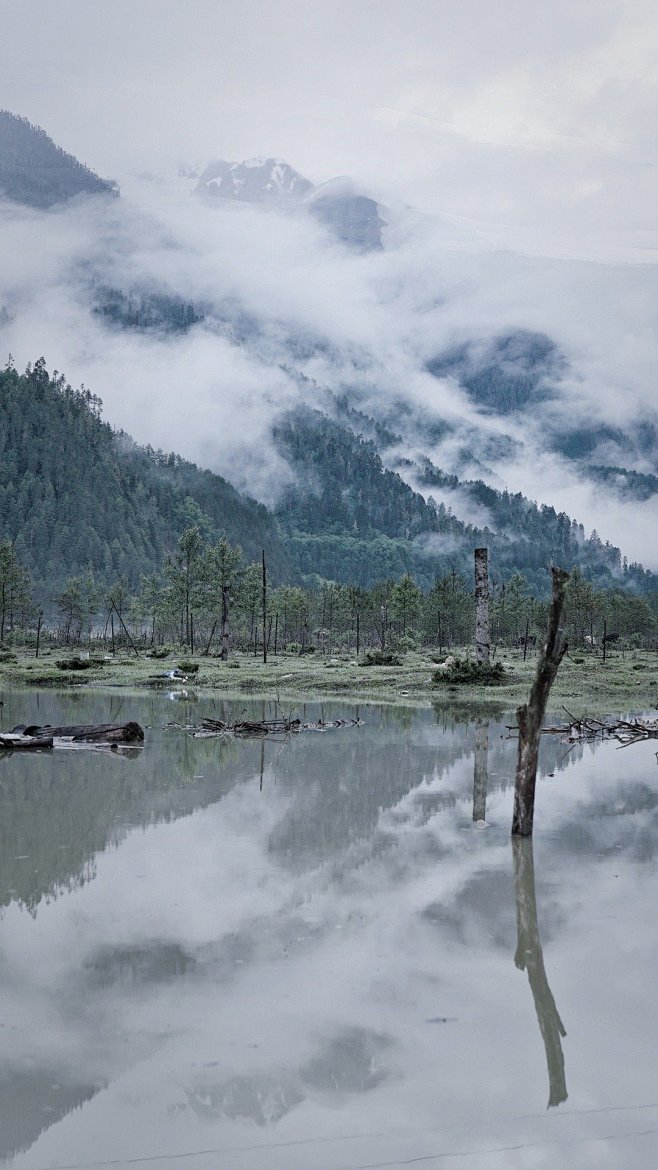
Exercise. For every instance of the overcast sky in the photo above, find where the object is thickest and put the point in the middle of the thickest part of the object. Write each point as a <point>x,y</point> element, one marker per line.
<point>536,121</point>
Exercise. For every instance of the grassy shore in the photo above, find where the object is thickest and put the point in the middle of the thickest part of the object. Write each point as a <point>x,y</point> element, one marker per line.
<point>584,684</point>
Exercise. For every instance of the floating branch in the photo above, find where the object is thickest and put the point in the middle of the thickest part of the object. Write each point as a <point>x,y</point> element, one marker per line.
<point>250,729</point>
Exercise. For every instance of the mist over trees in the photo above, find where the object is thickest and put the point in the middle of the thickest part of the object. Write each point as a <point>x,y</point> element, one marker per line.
<point>92,524</point>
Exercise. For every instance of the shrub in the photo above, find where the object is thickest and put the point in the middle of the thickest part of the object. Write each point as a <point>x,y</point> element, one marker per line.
<point>158,652</point>
<point>188,667</point>
<point>408,641</point>
<point>465,672</point>
<point>75,664</point>
<point>380,658</point>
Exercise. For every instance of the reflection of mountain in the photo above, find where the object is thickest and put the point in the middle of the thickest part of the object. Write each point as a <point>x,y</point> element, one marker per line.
<point>376,768</point>
<point>261,978</point>
<point>350,1062</point>
<point>54,821</point>
<point>157,962</point>
<point>33,1100</point>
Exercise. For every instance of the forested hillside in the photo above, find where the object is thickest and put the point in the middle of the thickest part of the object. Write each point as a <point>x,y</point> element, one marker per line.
<point>34,171</point>
<point>349,517</point>
<point>75,496</point>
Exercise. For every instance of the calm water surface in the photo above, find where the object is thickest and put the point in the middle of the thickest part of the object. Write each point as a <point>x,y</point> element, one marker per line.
<point>310,955</point>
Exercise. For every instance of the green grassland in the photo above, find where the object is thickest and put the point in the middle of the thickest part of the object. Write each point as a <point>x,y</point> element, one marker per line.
<point>585,684</point>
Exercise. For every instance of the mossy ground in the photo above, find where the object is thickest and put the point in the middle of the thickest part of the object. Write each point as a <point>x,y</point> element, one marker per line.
<point>584,684</point>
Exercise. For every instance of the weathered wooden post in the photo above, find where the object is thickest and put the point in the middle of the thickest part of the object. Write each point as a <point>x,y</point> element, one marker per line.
<point>482,642</point>
<point>529,957</point>
<point>531,714</point>
<point>480,770</point>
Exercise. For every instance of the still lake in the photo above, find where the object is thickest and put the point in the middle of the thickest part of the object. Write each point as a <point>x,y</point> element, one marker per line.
<point>308,954</point>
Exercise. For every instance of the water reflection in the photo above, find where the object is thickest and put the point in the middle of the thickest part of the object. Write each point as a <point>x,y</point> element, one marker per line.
<point>480,771</point>
<point>310,938</point>
<point>529,957</point>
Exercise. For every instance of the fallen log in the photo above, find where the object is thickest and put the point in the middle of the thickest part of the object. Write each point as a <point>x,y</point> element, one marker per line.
<point>88,733</point>
<point>25,743</point>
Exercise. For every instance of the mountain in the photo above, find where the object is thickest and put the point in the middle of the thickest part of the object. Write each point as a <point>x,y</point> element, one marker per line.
<point>352,519</point>
<point>351,217</point>
<point>504,374</point>
<point>256,180</point>
<point>346,516</point>
<point>77,497</point>
<point>516,372</point>
<point>36,172</point>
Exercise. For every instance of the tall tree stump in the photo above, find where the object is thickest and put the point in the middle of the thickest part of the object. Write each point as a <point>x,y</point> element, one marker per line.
<point>482,637</point>
<point>531,714</point>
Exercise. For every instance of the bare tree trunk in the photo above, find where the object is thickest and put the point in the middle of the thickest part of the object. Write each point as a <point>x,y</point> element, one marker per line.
<point>525,639</point>
<point>125,630</point>
<point>480,772</point>
<point>39,632</point>
<point>206,652</point>
<point>358,633</point>
<point>482,638</point>
<point>531,714</point>
<point>225,610</point>
<point>529,957</point>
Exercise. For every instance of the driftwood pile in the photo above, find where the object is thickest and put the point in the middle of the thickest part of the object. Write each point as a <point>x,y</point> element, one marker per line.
<point>37,738</point>
<point>259,728</point>
<point>625,731</point>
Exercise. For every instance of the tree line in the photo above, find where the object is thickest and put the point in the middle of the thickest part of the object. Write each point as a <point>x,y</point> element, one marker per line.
<point>208,598</point>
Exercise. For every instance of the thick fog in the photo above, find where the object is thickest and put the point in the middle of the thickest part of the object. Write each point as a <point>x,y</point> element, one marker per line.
<point>511,154</point>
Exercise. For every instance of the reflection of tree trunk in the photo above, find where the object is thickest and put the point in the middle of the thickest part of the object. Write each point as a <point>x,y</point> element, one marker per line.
<point>480,774</point>
<point>529,957</point>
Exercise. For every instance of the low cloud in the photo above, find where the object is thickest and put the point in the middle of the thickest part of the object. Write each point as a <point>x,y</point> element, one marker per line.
<point>282,299</point>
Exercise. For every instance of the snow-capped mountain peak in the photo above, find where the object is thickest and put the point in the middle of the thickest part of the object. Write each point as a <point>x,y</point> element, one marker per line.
<point>254,180</point>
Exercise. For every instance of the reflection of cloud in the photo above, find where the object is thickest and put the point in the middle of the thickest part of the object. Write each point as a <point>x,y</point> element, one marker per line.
<point>316,969</point>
